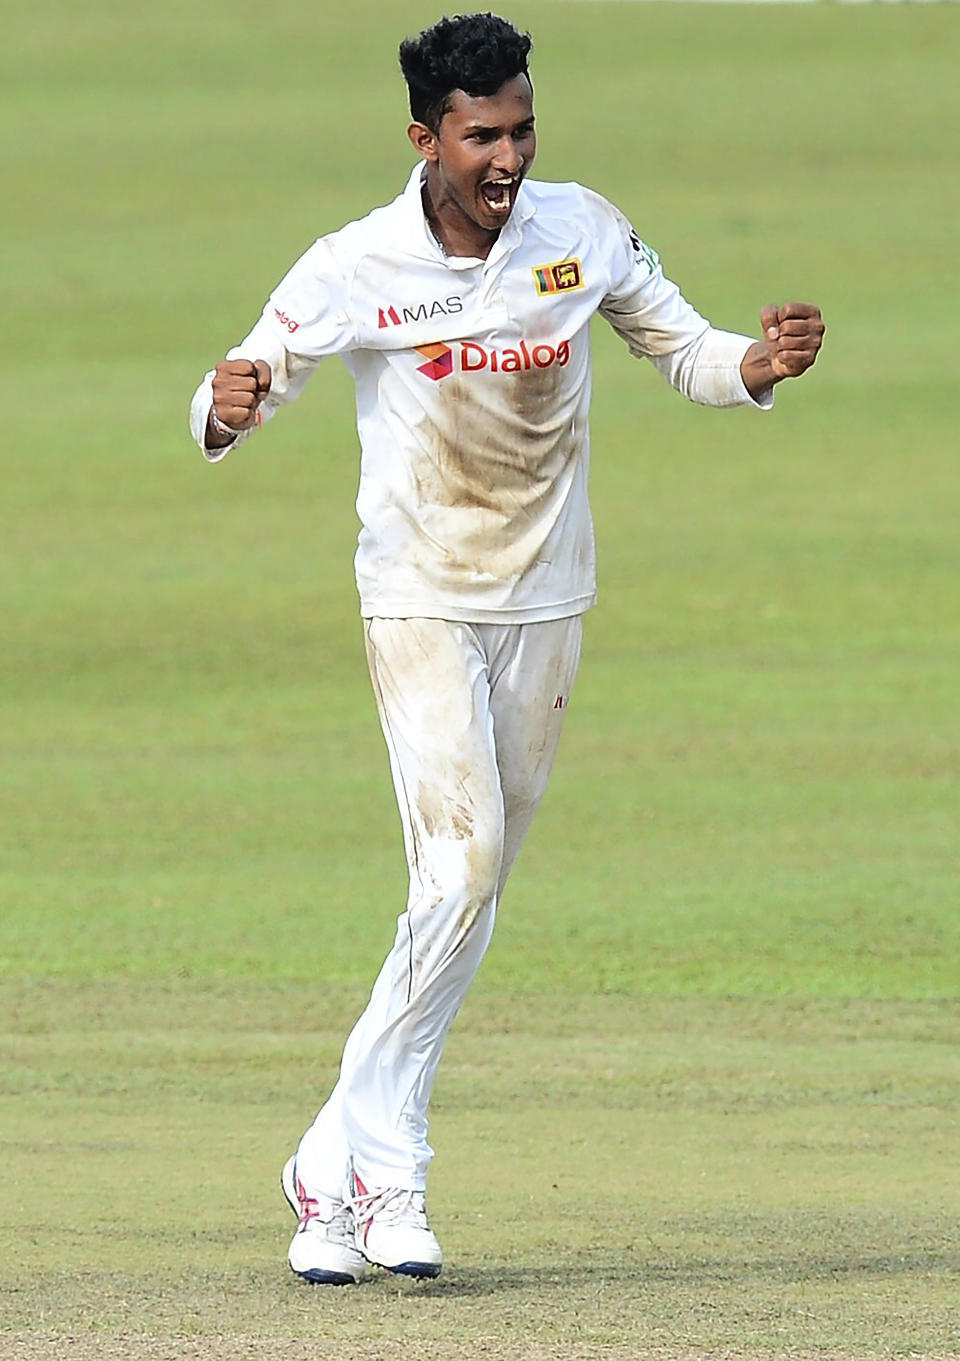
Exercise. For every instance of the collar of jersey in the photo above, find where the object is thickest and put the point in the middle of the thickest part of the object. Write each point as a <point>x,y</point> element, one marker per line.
<point>424,243</point>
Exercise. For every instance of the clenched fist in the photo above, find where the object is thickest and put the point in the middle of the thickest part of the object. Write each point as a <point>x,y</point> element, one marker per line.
<point>792,336</point>
<point>239,386</point>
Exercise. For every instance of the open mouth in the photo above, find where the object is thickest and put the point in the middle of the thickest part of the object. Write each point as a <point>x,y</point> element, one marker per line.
<point>498,194</point>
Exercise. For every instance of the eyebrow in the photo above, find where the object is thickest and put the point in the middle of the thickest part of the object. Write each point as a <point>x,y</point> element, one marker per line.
<point>490,127</point>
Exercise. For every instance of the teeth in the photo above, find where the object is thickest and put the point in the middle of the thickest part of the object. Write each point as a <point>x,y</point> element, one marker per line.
<point>497,192</point>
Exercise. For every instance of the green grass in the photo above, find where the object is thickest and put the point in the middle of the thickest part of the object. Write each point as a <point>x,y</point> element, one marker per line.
<point>719,1006</point>
<point>767,1173</point>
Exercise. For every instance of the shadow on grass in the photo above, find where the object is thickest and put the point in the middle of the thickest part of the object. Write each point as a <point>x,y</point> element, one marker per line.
<point>633,1270</point>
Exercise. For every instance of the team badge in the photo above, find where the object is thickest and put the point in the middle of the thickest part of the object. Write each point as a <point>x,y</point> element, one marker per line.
<point>562,277</point>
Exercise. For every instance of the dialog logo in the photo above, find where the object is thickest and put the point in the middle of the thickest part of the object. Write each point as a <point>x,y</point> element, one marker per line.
<point>539,355</point>
<point>471,357</point>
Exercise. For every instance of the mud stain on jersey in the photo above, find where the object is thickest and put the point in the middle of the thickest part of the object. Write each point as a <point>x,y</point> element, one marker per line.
<point>498,445</point>
<point>494,452</point>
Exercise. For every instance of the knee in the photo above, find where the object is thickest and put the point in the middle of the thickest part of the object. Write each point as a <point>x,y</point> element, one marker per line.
<point>471,870</point>
<point>460,842</point>
<point>458,878</point>
<point>483,858</point>
<point>475,897</point>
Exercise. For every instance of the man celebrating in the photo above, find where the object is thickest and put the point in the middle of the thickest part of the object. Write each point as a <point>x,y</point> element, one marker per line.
<point>462,310</point>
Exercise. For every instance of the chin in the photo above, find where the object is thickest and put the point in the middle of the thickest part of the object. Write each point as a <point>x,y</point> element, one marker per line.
<point>492,222</point>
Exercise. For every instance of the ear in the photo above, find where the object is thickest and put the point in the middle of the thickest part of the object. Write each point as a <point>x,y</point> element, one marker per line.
<point>425,141</point>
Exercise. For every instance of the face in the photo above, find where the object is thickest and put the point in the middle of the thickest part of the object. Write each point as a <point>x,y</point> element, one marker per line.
<point>479,156</point>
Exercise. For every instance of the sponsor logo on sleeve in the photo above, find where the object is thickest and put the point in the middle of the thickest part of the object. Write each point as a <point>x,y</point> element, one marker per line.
<point>563,276</point>
<point>284,320</point>
<point>643,253</point>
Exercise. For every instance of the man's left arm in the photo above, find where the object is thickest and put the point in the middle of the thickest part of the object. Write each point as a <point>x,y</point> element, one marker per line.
<point>706,365</point>
<point>792,336</point>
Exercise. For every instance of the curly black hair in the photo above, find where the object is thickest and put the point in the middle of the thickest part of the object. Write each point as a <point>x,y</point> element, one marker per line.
<point>475,53</point>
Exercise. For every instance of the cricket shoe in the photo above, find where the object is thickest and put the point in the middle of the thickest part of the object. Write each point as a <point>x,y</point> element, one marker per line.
<point>324,1247</point>
<point>392,1230</point>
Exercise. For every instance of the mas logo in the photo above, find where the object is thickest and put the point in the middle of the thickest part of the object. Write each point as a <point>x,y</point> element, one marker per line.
<point>561,277</point>
<point>421,311</point>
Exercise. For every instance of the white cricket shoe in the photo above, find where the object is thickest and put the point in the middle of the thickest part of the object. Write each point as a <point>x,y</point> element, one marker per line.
<point>324,1247</point>
<point>392,1230</point>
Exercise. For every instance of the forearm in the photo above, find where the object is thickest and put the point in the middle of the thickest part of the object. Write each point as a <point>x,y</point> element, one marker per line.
<point>709,370</point>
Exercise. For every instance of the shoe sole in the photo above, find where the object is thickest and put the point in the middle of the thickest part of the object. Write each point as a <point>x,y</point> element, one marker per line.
<point>421,1271</point>
<point>315,1276</point>
<point>326,1277</point>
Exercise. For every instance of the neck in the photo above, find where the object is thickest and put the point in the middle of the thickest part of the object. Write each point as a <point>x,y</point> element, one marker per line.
<point>455,232</point>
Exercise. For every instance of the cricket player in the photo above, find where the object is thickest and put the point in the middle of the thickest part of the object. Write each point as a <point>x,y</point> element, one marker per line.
<point>462,310</point>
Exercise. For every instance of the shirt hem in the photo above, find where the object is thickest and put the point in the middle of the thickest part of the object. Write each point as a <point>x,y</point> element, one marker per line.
<point>468,614</point>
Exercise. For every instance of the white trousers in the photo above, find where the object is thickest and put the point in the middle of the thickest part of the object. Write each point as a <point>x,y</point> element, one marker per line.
<point>472,715</point>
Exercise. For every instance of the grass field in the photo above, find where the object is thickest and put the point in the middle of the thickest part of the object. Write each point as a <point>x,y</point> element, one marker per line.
<point>704,1098</point>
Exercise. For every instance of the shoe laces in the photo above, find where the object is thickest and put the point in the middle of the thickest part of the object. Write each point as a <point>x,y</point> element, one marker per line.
<point>337,1224</point>
<point>395,1205</point>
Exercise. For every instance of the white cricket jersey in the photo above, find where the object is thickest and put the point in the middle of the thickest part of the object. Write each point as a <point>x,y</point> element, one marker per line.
<point>473,391</point>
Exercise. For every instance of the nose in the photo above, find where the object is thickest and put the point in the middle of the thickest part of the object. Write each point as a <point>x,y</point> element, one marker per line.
<point>507,157</point>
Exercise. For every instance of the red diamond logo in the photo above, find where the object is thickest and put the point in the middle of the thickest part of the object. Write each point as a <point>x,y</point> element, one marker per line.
<point>439,361</point>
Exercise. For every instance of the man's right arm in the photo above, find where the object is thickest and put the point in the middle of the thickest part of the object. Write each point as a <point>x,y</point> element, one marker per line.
<point>305,319</point>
